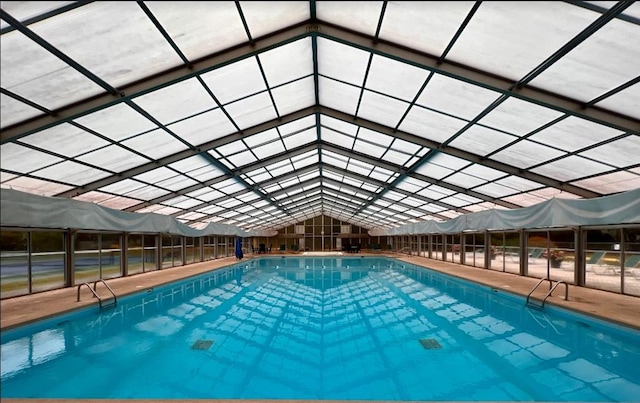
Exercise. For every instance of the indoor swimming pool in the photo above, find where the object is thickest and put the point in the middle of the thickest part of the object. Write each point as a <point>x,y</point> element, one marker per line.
<point>325,328</point>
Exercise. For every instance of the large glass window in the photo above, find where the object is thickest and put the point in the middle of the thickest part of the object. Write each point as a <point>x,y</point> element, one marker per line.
<point>135,254</point>
<point>14,263</point>
<point>47,260</point>
<point>86,257</point>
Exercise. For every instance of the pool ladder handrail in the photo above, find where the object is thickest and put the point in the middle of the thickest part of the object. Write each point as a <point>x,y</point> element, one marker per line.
<point>552,287</point>
<point>94,291</point>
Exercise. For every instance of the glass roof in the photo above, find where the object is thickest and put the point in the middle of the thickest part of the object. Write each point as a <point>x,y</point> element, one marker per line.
<point>263,114</point>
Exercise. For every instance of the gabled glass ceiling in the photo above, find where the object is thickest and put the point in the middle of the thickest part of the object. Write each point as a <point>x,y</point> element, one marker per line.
<point>376,113</point>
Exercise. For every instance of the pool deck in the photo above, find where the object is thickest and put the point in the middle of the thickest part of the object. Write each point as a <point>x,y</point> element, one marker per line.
<point>622,309</point>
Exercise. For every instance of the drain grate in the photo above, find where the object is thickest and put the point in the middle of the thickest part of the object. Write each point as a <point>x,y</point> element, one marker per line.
<point>430,344</point>
<point>202,344</point>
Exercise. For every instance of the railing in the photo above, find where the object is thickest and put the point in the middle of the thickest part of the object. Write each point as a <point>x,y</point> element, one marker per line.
<point>94,291</point>
<point>405,250</point>
<point>552,287</point>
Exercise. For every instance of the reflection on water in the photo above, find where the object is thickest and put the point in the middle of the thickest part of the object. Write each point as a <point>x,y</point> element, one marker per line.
<point>324,328</point>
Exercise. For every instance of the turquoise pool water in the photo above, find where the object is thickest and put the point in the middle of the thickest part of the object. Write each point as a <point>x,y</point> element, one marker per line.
<point>323,328</point>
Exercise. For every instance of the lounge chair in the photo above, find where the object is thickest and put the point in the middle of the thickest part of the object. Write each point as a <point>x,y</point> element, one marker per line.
<point>597,264</point>
<point>536,253</point>
<point>630,264</point>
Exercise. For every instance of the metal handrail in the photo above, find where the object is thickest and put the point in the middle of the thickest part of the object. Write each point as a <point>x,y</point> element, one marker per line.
<point>552,287</point>
<point>94,291</point>
<point>566,291</point>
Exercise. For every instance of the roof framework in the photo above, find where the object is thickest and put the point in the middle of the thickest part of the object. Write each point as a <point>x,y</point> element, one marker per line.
<point>263,114</point>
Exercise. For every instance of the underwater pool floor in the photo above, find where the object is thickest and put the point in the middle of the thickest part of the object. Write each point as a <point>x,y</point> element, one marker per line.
<point>614,307</point>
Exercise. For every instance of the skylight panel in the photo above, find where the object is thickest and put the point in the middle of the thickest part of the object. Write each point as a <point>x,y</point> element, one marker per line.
<point>519,117</point>
<point>212,209</point>
<point>230,186</point>
<point>481,140</point>
<point>611,183</point>
<point>337,138</point>
<point>463,199</point>
<point>113,158</point>
<point>376,151</point>
<point>294,96</point>
<point>65,139</point>
<point>190,216</point>
<point>121,187</point>
<point>464,180</point>
<point>383,175</point>
<point>287,62</point>
<point>495,190</point>
<point>177,101</point>
<point>456,97</point>
<point>571,168</point>
<point>334,159</point>
<point>625,102</point>
<point>71,172</point>
<point>341,62</point>
<point>118,203</point>
<point>393,195</point>
<point>248,197</point>
<point>203,128</point>
<point>518,183</point>
<point>525,153</point>
<point>395,78</point>
<point>252,111</point>
<point>281,169</point>
<point>413,202</point>
<point>262,138</point>
<point>177,182</point>
<point>21,159</point>
<point>231,148</point>
<point>359,167</point>
<point>182,202</point>
<point>395,157</point>
<point>204,174</point>
<point>433,170</point>
<point>411,185</point>
<point>190,164</point>
<point>404,24</point>
<point>205,194</point>
<point>25,10</point>
<point>435,192</point>
<point>264,17</point>
<point>338,96</point>
<point>146,193</point>
<point>601,66</point>
<point>159,209</point>
<point>14,111</point>
<point>269,150</point>
<point>431,125</point>
<point>33,185</point>
<point>229,203</point>
<point>512,41</point>
<point>311,175</point>
<point>381,109</point>
<point>236,80</point>
<point>259,175</point>
<point>305,160</point>
<point>156,144</point>
<point>34,83</point>
<point>574,133</point>
<point>299,139</point>
<point>339,125</point>
<point>620,153</point>
<point>117,122</point>
<point>105,48</point>
<point>483,172</point>
<point>359,16</point>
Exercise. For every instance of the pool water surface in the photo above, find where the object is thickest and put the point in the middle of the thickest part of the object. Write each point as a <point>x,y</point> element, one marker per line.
<point>323,328</point>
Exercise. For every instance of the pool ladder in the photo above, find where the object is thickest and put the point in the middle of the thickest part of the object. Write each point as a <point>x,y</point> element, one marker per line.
<point>540,304</point>
<point>94,291</point>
